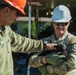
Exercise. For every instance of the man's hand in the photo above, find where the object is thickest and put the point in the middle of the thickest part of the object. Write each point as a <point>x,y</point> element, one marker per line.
<point>51,46</point>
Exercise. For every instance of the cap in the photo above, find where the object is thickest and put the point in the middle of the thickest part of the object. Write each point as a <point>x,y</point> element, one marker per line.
<point>61,14</point>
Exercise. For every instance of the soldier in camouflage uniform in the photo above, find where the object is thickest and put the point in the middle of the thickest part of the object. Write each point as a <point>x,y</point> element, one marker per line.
<point>61,62</point>
<point>10,41</point>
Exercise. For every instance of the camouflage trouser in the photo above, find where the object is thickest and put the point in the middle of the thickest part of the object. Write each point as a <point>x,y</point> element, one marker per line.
<point>56,70</point>
<point>50,74</point>
<point>73,72</point>
<point>51,70</point>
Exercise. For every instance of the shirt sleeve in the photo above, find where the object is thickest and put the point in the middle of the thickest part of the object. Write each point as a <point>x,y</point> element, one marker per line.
<point>23,44</point>
<point>71,59</point>
<point>35,61</point>
<point>68,64</point>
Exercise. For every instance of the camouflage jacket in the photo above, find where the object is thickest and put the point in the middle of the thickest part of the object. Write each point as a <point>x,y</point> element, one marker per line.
<point>57,65</point>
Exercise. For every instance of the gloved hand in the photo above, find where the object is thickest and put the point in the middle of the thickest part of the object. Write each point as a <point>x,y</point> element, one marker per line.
<point>54,58</point>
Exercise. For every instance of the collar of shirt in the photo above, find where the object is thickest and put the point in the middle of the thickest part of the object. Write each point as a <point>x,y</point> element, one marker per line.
<point>2,28</point>
<point>61,38</point>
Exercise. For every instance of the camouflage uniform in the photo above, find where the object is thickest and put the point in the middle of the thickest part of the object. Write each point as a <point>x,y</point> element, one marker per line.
<point>57,65</point>
<point>12,42</point>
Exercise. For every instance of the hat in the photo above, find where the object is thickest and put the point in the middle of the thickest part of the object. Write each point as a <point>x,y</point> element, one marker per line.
<point>18,4</point>
<point>61,14</point>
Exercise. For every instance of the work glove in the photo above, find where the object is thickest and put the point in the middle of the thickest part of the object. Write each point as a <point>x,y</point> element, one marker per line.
<point>54,58</point>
